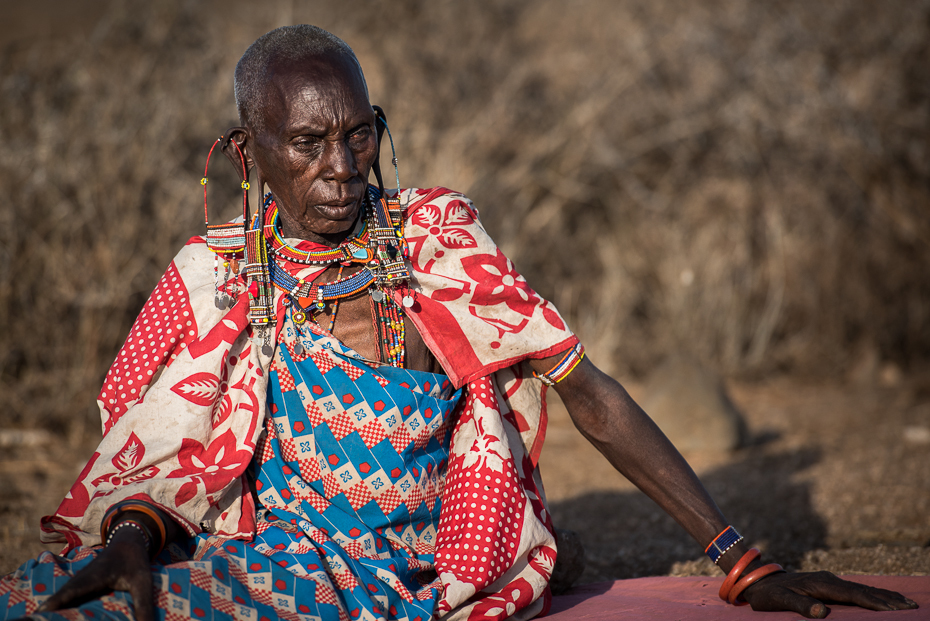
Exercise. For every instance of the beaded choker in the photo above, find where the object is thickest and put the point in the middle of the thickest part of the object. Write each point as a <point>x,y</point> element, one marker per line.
<point>379,249</point>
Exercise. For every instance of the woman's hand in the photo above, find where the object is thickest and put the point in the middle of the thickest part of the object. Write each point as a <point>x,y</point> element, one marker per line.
<point>121,566</point>
<point>805,594</point>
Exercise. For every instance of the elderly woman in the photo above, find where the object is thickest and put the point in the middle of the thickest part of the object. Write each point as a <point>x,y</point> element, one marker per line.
<point>333,409</point>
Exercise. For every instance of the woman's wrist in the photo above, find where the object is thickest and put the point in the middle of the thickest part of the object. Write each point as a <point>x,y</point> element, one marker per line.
<point>129,532</point>
<point>148,520</point>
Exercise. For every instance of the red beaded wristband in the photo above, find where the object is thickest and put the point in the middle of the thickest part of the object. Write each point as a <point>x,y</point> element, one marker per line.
<point>754,576</point>
<point>737,571</point>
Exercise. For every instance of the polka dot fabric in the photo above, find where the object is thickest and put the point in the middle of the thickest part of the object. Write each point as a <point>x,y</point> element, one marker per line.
<point>163,329</point>
<point>493,522</point>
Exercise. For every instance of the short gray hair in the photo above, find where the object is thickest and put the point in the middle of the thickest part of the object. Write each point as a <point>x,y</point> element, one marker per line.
<point>289,44</point>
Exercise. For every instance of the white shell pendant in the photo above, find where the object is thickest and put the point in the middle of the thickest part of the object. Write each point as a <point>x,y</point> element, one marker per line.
<point>408,301</point>
<point>377,295</point>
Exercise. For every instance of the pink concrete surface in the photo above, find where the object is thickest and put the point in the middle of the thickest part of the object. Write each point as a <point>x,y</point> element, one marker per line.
<point>695,599</point>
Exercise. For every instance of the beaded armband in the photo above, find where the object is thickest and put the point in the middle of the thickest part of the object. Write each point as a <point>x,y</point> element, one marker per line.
<point>722,542</point>
<point>563,367</point>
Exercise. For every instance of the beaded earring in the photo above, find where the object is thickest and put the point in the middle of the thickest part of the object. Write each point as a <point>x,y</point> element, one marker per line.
<point>226,240</point>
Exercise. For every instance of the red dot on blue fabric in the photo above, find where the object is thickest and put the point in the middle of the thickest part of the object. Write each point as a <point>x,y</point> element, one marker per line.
<point>317,390</point>
<point>274,408</point>
<point>426,386</point>
<point>280,584</point>
<point>395,473</point>
<point>282,563</point>
<point>279,546</point>
<point>372,588</point>
<point>378,406</point>
<point>238,599</point>
<point>415,472</point>
<point>304,608</point>
<point>364,467</point>
<point>230,548</point>
<point>175,587</point>
<point>286,494</point>
<point>354,612</point>
<point>299,427</point>
<point>286,470</point>
<point>354,532</point>
<point>39,588</point>
<point>348,399</point>
<point>255,566</point>
<point>219,575</point>
<point>428,413</point>
<point>407,410</point>
<point>393,611</point>
<point>198,612</point>
<point>312,567</point>
<point>259,485</point>
<point>333,459</point>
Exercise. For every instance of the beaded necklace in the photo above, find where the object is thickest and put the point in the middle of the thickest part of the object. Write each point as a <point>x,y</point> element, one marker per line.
<point>381,251</point>
<point>244,247</point>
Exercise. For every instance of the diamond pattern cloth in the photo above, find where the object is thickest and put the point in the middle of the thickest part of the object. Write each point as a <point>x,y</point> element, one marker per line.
<point>346,521</point>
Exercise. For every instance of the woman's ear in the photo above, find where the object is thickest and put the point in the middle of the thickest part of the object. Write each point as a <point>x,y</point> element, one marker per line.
<point>236,149</point>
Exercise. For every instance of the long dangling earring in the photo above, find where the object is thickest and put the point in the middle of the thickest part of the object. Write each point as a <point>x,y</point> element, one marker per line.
<point>226,240</point>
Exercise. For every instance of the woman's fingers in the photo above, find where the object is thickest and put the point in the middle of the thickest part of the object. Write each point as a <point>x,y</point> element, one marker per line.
<point>776,597</point>
<point>806,593</point>
<point>122,566</point>
<point>143,600</point>
<point>83,587</point>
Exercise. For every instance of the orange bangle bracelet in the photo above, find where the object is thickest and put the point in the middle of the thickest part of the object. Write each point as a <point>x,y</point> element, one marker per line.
<point>754,576</point>
<point>737,571</point>
<point>143,509</point>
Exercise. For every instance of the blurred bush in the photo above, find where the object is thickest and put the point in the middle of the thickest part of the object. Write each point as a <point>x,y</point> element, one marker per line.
<point>746,181</point>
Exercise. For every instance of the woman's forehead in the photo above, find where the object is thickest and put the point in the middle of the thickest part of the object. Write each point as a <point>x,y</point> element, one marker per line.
<point>316,84</point>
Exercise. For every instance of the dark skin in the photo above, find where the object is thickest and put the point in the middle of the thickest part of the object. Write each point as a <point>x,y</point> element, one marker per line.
<point>315,152</point>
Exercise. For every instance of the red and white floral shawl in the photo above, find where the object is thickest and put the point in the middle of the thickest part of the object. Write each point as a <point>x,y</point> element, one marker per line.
<point>184,402</point>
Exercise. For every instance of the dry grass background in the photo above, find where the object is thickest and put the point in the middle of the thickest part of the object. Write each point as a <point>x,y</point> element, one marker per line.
<point>746,181</point>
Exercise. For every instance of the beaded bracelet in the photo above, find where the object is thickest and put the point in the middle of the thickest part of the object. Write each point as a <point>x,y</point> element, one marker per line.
<point>142,507</point>
<point>138,526</point>
<point>736,572</point>
<point>754,576</point>
<point>563,367</point>
<point>727,538</point>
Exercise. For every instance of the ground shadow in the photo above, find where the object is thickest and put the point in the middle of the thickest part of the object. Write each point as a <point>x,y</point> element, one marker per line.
<point>626,535</point>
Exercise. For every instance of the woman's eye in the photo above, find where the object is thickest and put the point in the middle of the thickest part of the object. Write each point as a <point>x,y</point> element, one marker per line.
<point>360,135</point>
<point>305,144</point>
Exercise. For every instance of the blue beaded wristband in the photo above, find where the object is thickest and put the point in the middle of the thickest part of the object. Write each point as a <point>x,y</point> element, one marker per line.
<point>722,542</point>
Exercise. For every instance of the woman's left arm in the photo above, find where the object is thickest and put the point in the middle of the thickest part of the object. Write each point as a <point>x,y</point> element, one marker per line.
<point>609,418</point>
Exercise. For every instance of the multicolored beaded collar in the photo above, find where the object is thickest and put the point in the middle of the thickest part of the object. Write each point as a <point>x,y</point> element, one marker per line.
<point>381,251</point>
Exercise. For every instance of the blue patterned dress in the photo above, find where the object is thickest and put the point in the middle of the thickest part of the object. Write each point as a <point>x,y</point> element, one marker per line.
<point>348,481</point>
